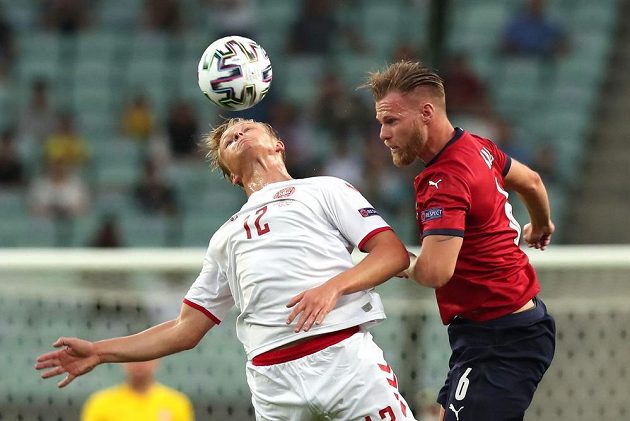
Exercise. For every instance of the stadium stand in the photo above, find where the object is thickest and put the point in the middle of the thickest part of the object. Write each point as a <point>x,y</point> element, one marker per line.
<point>549,104</point>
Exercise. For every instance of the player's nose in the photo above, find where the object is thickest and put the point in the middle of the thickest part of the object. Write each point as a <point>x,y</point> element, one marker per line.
<point>384,134</point>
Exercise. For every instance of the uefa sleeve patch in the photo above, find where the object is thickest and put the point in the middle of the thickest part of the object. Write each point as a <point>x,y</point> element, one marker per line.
<point>365,212</point>
<point>430,214</point>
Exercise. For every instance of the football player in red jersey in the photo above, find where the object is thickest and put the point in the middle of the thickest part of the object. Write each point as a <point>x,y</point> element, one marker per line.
<point>501,336</point>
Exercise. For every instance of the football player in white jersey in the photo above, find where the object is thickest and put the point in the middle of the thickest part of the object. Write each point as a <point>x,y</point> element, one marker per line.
<point>284,261</point>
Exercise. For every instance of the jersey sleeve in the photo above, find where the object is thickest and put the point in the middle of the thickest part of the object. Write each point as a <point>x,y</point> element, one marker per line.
<point>351,213</point>
<point>210,293</point>
<point>502,161</point>
<point>443,200</point>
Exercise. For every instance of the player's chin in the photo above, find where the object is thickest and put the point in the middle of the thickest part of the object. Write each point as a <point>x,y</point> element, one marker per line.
<point>400,159</point>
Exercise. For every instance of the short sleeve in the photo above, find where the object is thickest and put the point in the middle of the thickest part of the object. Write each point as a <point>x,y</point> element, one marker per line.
<point>443,202</point>
<point>502,161</point>
<point>351,213</point>
<point>210,293</point>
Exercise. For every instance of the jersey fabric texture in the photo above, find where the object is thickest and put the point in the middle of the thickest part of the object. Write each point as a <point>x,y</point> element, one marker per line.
<point>289,237</point>
<point>121,403</point>
<point>347,381</point>
<point>461,193</point>
<point>496,366</point>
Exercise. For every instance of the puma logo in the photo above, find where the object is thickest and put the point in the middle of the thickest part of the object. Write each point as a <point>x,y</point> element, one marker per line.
<point>452,408</point>
<point>435,183</point>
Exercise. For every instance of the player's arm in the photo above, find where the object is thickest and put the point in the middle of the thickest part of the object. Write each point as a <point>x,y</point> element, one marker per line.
<point>435,264</point>
<point>77,356</point>
<point>530,187</point>
<point>386,257</point>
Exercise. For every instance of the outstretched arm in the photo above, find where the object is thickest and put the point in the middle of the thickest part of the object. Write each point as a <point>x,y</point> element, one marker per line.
<point>528,184</point>
<point>77,356</point>
<point>386,257</point>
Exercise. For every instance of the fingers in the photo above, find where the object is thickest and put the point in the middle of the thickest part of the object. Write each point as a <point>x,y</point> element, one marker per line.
<point>293,301</point>
<point>60,342</point>
<point>48,356</point>
<point>308,315</point>
<point>66,381</point>
<point>297,310</point>
<point>41,364</point>
<point>54,372</point>
<point>306,321</point>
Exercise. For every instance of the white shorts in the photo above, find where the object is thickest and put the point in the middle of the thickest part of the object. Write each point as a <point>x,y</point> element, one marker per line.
<point>349,380</point>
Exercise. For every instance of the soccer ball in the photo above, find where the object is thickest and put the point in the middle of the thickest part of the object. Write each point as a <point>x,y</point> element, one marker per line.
<point>234,73</point>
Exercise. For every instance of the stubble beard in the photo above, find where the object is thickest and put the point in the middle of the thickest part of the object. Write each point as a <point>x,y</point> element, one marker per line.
<point>404,156</point>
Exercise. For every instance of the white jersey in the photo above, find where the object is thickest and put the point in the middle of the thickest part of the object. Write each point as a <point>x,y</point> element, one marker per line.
<point>289,237</point>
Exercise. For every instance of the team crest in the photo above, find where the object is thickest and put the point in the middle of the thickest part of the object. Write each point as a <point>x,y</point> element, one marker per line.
<point>285,192</point>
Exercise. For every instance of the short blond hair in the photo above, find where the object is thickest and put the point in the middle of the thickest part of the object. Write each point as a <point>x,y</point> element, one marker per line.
<point>211,142</point>
<point>404,76</point>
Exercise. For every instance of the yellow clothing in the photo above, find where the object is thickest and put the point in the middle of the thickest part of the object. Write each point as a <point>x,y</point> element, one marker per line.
<point>138,123</point>
<point>121,403</point>
<point>69,148</point>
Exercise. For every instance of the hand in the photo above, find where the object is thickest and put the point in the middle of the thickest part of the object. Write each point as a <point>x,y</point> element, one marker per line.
<point>538,238</point>
<point>314,304</point>
<point>76,358</point>
<point>408,273</point>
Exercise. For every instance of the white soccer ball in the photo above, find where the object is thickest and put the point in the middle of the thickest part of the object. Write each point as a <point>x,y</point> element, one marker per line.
<point>234,73</point>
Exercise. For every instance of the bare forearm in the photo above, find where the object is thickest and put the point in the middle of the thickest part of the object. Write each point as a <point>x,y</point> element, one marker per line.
<point>376,268</point>
<point>158,341</point>
<point>537,203</point>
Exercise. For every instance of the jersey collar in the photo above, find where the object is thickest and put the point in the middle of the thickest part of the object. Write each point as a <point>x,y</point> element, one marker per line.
<point>458,133</point>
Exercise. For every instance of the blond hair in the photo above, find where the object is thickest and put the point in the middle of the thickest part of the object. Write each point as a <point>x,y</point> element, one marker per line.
<point>405,77</point>
<point>211,142</point>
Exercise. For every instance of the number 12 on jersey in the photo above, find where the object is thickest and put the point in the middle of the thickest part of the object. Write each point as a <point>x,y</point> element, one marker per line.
<point>261,230</point>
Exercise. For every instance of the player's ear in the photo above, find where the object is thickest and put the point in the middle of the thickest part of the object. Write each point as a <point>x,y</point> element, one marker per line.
<point>427,112</point>
<point>279,146</point>
<point>236,180</point>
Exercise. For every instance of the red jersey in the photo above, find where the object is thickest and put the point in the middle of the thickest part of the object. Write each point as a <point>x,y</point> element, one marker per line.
<point>461,193</point>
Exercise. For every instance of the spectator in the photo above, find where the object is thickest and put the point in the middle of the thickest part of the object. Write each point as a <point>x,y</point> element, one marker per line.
<point>531,33</point>
<point>182,129</point>
<point>337,109</point>
<point>297,133</point>
<point>12,172</point>
<point>108,233</point>
<point>66,144</point>
<point>137,119</point>
<point>232,17</point>
<point>7,47</point>
<point>140,398</point>
<point>344,163</point>
<point>315,29</point>
<point>509,142</point>
<point>546,164</point>
<point>65,16</point>
<point>406,51</point>
<point>152,194</point>
<point>466,92</point>
<point>59,192</point>
<point>162,15</point>
<point>37,120</point>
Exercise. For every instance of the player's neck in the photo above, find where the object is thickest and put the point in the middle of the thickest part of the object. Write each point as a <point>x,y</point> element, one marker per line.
<point>263,173</point>
<point>441,134</point>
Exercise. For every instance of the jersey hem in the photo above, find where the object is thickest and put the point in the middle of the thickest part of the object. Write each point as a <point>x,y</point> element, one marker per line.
<point>311,346</point>
<point>374,319</point>
<point>203,310</point>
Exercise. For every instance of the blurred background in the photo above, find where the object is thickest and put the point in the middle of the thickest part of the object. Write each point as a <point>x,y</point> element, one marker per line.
<point>100,115</point>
